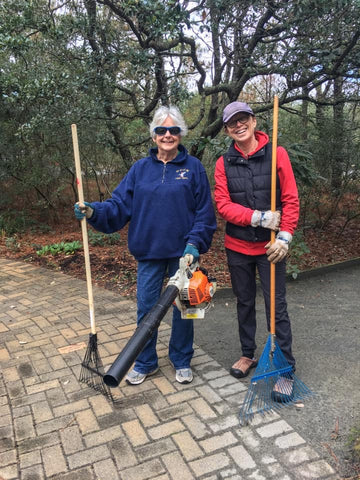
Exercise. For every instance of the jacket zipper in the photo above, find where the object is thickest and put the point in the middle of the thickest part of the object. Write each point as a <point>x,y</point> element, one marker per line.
<point>163,175</point>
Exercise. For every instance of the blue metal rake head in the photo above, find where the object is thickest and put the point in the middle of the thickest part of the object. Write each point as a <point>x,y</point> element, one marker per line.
<point>273,385</point>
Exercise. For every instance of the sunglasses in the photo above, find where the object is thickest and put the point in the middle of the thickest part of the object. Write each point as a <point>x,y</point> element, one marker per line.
<point>241,119</point>
<point>163,130</point>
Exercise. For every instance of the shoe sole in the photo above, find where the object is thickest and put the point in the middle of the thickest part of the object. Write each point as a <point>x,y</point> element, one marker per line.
<point>281,397</point>
<point>185,382</point>
<point>138,382</point>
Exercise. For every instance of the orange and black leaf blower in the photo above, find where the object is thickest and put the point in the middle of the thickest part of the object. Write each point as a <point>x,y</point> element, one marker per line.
<point>190,289</point>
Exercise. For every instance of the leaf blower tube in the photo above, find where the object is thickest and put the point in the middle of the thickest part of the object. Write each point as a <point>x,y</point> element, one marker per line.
<point>137,342</point>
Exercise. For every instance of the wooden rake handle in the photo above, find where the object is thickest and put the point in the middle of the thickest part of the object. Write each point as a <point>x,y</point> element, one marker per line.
<point>273,208</point>
<point>83,228</point>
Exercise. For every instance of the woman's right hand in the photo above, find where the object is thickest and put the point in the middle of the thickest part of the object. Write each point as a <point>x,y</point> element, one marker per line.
<point>83,209</point>
<point>266,219</point>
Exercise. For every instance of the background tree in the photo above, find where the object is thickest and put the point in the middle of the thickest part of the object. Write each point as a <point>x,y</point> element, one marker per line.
<point>106,65</point>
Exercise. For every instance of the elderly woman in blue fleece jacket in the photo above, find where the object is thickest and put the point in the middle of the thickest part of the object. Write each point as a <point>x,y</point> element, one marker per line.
<point>166,198</point>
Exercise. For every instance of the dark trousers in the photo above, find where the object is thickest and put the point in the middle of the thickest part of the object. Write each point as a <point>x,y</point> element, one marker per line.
<point>243,278</point>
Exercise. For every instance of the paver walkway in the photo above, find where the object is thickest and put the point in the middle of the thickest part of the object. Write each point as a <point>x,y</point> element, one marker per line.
<point>53,427</point>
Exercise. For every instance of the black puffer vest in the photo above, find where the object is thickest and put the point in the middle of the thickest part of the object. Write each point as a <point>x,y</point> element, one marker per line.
<point>249,184</point>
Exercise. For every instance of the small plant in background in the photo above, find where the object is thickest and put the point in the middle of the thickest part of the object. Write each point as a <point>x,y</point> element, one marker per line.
<point>68,248</point>
<point>354,443</point>
<point>100,239</point>
<point>297,249</point>
<point>12,244</point>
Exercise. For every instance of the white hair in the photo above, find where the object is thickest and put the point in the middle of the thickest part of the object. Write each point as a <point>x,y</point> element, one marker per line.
<point>161,115</point>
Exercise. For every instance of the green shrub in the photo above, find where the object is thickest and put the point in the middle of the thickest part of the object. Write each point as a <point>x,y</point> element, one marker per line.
<point>12,244</point>
<point>12,222</point>
<point>101,239</point>
<point>68,248</point>
<point>297,249</point>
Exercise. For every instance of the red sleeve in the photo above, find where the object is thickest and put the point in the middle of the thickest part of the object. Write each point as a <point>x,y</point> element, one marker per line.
<point>230,211</point>
<point>289,192</point>
<point>239,215</point>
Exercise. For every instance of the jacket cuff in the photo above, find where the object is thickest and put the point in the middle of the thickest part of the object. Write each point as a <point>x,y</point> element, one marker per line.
<point>285,237</point>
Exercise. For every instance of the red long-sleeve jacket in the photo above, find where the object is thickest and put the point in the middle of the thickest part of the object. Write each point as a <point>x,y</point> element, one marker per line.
<point>240,215</point>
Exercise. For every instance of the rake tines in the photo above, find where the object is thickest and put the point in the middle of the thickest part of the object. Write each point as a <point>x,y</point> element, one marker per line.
<point>273,374</point>
<point>92,369</point>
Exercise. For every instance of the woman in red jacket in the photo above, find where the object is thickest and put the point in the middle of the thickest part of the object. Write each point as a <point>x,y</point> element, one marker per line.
<point>243,199</point>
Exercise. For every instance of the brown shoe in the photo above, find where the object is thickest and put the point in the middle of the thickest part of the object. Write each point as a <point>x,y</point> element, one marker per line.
<point>242,367</point>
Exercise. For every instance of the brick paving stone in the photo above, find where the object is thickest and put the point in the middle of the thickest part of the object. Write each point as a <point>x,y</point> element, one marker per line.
<point>88,456</point>
<point>210,464</point>
<point>274,429</point>
<point>146,415</point>
<point>155,449</point>
<point>24,427</point>
<point>175,411</point>
<point>5,420</point>
<point>106,469</point>
<point>288,441</point>
<point>209,394</point>
<point>10,472</point>
<point>181,397</point>
<point>164,386</point>
<point>10,374</point>
<point>318,469</point>
<point>71,408</point>
<point>176,466</point>
<point>299,455</point>
<point>242,457</point>
<point>80,474</point>
<point>144,471</point>
<point>35,472</point>
<point>30,459</point>
<point>38,442</point>
<point>123,453</point>
<point>203,409</point>
<point>54,425</point>
<point>100,405</point>
<point>71,439</point>
<point>41,412</point>
<point>197,428</point>
<point>224,423</point>
<point>248,437</point>
<point>166,429</point>
<point>189,448</point>
<point>218,441</point>
<point>8,457</point>
<point>54,460</point>
<point>135,433</point>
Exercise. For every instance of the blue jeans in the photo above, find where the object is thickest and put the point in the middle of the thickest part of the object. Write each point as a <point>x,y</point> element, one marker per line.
<point>150,278</point>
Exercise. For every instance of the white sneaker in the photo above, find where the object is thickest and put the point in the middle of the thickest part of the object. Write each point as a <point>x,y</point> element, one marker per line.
<point>135,378</point>
<point>184,375</point>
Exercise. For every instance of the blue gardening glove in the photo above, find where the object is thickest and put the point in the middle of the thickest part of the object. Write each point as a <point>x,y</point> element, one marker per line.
<point>83,209</point>
<point>193,252</point>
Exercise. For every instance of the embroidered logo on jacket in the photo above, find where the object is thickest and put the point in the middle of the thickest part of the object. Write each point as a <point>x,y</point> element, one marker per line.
<point>181,174</point>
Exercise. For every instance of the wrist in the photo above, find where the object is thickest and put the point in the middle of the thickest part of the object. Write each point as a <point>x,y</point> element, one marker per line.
<point>285,237</point>
<point>255,218</point>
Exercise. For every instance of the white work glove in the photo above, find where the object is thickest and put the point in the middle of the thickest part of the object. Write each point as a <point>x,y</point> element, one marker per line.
<point>278,250</point>
<point>268,219</point>
<point>83,209</point>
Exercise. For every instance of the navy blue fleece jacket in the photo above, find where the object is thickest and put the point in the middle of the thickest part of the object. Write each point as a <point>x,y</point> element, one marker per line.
<point>167,205</point>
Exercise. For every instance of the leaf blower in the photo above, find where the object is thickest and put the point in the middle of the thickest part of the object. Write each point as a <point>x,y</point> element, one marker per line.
<point>190,289</point>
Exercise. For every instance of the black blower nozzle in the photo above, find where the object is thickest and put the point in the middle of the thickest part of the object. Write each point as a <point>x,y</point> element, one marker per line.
<point>142,334</point>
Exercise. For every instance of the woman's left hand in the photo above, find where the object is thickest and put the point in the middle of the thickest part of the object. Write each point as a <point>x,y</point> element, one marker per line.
<point>277,251</point>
